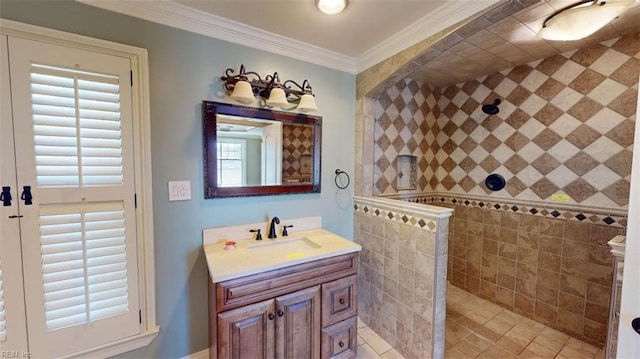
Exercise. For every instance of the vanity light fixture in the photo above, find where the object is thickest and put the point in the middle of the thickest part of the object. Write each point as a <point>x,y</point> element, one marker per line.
<point>582,19</point>
<point>331,7</point>
<point>276,94</point>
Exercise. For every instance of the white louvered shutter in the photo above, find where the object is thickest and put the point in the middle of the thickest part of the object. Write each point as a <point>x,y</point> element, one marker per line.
<point>79,236</point>
<point>13,331</point>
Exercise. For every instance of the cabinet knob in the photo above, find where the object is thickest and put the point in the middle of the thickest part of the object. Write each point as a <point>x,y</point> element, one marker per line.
<point>271,316</point>
<point>341,344</point>
<point>341,301</point>
<point>280,313</point>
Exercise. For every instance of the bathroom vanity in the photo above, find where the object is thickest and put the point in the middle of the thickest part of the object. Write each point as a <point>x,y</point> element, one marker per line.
<point>289,297</point>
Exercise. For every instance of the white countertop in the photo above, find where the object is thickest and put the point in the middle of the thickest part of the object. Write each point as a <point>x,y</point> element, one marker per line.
<point>251,256</point>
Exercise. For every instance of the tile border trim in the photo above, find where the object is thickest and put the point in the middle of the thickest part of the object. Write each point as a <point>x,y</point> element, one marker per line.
<point>595,215</point>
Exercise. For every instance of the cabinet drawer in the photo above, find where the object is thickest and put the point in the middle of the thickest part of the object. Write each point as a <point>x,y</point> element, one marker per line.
<point>235,293</point>
<point>340,340</point>
<point>339,300</point>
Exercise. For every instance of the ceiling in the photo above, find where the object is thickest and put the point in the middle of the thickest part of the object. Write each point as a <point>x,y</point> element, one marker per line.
<point>369,31</point>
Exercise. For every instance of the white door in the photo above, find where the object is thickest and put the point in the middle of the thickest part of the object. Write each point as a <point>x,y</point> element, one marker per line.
<point>628,338</point>
<point>72,120</point>
<point>13,332</point>
<point>272,154</point>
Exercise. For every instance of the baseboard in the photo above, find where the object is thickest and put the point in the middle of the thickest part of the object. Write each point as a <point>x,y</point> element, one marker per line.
<point>203,354</point>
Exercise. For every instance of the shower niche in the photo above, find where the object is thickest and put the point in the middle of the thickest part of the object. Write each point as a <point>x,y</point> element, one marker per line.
<point>406,173</point>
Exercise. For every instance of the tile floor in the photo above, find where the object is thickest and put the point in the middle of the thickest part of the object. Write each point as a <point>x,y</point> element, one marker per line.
<point>477,328</point>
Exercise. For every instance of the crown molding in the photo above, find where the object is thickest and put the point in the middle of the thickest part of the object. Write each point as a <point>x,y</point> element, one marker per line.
<point>443,17</point>
<point>185,18</point>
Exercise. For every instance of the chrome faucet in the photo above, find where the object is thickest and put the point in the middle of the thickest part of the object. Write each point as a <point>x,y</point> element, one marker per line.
<point>272,228</point>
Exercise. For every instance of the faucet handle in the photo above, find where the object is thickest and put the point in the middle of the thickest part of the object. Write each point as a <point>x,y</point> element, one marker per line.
<point>284,230</point>
<point>258,235</point>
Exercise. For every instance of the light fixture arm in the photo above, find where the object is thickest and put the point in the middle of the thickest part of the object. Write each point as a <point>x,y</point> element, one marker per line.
<point>263,87</point>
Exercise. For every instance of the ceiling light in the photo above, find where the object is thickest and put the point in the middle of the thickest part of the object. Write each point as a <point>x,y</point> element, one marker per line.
<point>582,19</point>
<point>276,94</point>
<point>331,7</point>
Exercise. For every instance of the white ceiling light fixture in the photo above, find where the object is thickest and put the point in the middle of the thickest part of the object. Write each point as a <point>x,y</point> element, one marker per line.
<point>582,19</point>
<point>331,7</point>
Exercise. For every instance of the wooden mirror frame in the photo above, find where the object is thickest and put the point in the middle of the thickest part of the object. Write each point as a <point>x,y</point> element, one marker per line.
<point>211,188</point>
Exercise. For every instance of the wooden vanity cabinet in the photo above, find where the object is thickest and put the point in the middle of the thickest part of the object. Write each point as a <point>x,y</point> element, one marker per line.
<point>303,311</point>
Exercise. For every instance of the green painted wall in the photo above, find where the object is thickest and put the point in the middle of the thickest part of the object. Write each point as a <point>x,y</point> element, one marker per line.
<point>184,70</point>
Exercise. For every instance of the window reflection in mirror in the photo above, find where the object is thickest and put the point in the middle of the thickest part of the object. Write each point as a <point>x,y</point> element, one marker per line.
<point>259,151</point>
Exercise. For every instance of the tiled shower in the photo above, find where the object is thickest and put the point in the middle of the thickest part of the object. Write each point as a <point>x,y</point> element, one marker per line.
<point>562,140</point>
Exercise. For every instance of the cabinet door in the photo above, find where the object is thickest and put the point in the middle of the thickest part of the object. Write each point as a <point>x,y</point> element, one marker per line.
<point>339,341</point>
<point>247,332</point>
<point>298,324</point>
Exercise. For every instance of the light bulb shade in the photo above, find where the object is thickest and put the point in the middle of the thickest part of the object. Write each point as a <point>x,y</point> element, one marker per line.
<point>331,7</point>
<point>277,98</point>
<point>242,92</point>
<point>581,21</point>
<point>307,103</point>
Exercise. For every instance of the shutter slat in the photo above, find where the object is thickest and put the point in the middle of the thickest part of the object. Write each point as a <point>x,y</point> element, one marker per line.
<point>56,151</point>
<point>58,181</point>
<point>53,305</point>
<point>93,262</point>
<point>55,131</point>
<point>57,160</point>
<point>107,277</point>
<point>99,106</point>
<point>53,110</point>
<point>108,285</point>
<point>114,267</point>
<point>54,120</point>
<point>51,80</point>
<point>99,96</point>
<point>105,86</point>
<point>51,90</point>
<point>63,275</point>
<point>99,133</point>
<point>88,152</point>
<point>60,257</point>
<point>58,141</point>
<point>100,124</point>
<point>99,115</point>
<point>56,101</point>
<point>64,294</point>
<point>101,161</point>
<point>63,285</point>
<point>68,247</point>
<point>64,266</point>
<point>60,228</point>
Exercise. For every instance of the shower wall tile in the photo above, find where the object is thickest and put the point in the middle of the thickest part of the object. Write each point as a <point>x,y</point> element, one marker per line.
<point>552,270</point>
<point>403,276</point>
<point>565,126</point>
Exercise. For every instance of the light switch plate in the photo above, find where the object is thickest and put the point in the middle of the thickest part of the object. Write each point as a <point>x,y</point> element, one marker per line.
<point>179,190</point>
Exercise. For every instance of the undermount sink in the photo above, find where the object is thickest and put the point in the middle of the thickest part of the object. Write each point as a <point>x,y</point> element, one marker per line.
<point>286,245</point>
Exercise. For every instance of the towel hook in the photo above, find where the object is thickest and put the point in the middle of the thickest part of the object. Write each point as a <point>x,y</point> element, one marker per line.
<point>338,173</point>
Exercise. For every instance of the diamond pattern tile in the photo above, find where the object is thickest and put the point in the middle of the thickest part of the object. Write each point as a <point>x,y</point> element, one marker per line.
<point>565,124</point>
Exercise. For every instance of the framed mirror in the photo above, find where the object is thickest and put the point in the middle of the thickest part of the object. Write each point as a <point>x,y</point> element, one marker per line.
<point>257,152</point>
